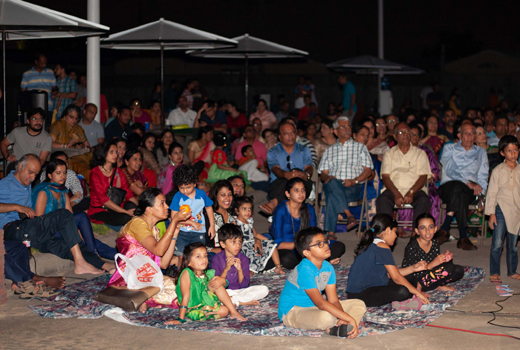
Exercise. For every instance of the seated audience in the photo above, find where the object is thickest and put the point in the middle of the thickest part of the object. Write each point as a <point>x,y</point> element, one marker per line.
<point>182,115</point>
<point>448,129</point>
<point>270,137</point>
<point>239,185</point>
<point>267,118</point>
<point>501,129</point>
<point>139,115</point>
<point>405,172</point>
<point>375,144</point>
<point>136,180</point>
<point>374,276</point>
<point>220,169</point>
<point>104,175</point>
<point>302,304</point>
<point>250,165</point>
<point>93,130</point>
<point>155,113</point>
<point>251,140</point>
<point>233,266</point>
<point>39,232</point>
<point>222,196</point>
<point>391,122</point>
<point>465,172</point>
<point>66,133</point>
<point>327,138</point>
<point>51,195</point>
<point>432,139</point>
<point>201,149</point>
<point>236,120</point>
<point>343,166</point>
<point>120,127</point>
<point>207,116</point>
<point>163,147</point>
<point>291,216</point>
<point>121,150</point>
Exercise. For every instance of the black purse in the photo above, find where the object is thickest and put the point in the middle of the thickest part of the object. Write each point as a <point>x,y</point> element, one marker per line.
<point>116,195</point>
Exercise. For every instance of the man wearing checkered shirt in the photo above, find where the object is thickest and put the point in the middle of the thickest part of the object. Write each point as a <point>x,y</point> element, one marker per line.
<point>68,89</point>
<point>343,167</point>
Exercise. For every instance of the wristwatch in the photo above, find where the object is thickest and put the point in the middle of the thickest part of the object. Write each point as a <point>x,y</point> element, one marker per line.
<point>356,181</point>
<point>411,191</point>
<point>308,176</point>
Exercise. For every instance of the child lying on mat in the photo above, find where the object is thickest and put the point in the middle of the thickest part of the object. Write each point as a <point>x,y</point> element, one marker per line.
<point>302,304</point>
<point>200,293</point>
<point>369,280</point>
<point>440,269</point>
<point>233,266</point>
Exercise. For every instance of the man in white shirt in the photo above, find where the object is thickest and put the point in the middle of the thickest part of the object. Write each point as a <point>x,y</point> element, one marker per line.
<point>93,130</point>
<point>182,114</point>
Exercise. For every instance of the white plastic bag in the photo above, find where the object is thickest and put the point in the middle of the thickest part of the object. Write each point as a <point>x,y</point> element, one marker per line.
<point>140,272</point>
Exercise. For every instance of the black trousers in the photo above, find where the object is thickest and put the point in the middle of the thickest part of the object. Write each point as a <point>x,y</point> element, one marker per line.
<point>457,196</point>
<point>277,189</point>
<point>440,278</point>
<point>41,231</point>
<point>290,259</point>
<point>386,201</point>
<point>82,205</point>
<point>377,296</point>
<point>114,218</point>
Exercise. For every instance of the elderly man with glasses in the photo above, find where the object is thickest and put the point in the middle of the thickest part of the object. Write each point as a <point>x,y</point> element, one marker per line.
<point>405,171</point>
<point>343,166</point>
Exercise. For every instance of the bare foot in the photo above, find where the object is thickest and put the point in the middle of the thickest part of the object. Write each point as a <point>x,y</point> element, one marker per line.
<point>251,273</point>
<point>110,268</point>
<point>237,316</point>
<point>252,302</point>
<point>335,261</point>
<point>340,217</point>
<point>86,268</point>
<point>426,295</point>
<point>54,282</point>
<point>279,270</point>
<point>172,322</point>
<point>446,289</point>
<point>143,307</point>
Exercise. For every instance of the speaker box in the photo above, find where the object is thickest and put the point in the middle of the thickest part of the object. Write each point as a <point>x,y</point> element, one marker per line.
<point>32,99</point>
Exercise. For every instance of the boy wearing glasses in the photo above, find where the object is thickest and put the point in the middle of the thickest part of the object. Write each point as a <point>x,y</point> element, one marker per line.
<point>302,304</point>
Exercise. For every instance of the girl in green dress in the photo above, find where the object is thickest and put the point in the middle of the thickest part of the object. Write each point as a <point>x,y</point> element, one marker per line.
<point>200,293</point>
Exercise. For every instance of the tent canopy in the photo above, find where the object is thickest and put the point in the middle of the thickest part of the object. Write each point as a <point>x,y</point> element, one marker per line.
<point>169,35</point>
<point>22,20</point>
<point>253,48</point>
<point>487,61</point>
<point>371,65</point>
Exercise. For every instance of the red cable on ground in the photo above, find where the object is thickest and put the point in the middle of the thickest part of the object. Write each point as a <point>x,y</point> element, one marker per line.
<point>475,332</point>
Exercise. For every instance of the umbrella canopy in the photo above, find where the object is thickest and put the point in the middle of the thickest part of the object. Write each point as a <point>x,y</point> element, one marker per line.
<point>250,47</point>
<point>164,35</point>
<point>20,20</point>
<point>364,62</point>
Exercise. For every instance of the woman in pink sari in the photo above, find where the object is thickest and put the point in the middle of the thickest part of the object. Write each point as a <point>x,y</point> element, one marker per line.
<point>201,149</point>
<point>140,236</point>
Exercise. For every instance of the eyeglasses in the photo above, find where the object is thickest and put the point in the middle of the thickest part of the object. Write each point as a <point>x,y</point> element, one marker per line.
<point>414,134</point>
<point>238,185</point>
<point>380,124</point>
<point>36,119</point>
<point>320,244</point>
<point>403,132</point>
<point>344,127</point>
<point>289,162</point>
<point>391,121</point>
<point>73,118</point>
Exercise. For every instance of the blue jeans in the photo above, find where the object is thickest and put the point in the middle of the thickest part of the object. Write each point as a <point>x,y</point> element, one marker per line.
<point>496,246</point>
<point>16,266</point>
<point>85,227</point>
<point>186,238</point>
<point>337,198</point>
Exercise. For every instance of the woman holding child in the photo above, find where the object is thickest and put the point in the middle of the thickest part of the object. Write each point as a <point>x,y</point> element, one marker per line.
<point>291,216</point>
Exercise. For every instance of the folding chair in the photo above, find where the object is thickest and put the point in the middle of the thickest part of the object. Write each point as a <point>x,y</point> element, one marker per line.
<point>482,226</point>
<point>363,202</point>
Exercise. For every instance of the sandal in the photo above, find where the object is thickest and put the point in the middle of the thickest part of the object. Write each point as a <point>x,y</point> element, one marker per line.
<point>515,278</point>
<point>351,223</point>
<point>266,209</point>
<point>495,279</point>
<point>44,291</point>
<point>341,332</point>
<point>26,287</point>
<point>504,292</point>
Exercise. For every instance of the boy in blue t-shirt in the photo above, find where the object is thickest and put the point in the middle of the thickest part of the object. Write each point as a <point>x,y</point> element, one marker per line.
<point>194,230</point>
<point>302,304</point>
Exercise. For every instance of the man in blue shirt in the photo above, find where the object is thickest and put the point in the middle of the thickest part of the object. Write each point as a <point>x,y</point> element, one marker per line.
<point>21,225</point>
<point>349,97</point>
<point>302,304</point>
<point>119,128</point>
<point>465,173</point>
<point>287,160</point>
<point>68,89</point>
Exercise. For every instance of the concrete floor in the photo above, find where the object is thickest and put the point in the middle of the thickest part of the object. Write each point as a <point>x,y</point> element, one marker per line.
<point>19,326</point>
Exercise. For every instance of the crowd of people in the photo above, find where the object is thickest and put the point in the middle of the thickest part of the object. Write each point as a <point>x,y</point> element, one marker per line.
<point>184,204</point>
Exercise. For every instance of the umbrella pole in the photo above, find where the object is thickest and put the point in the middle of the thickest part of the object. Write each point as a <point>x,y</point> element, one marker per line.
<point>4,39</point>
<point>162,86</point>
<point>247,87</point>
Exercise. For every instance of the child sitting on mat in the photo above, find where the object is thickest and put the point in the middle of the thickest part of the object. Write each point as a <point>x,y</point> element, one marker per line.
<point>233,266</point>
<point>502,206</point>
<point>423,246</point>
<point>200,293</point>
<point>369,280</point>
<point>302,304</point>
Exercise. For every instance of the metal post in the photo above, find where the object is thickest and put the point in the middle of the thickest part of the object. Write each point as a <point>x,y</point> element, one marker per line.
<point>93,60</point>
<point>162,86</point>
<point>380,50</point>
<point>247,87</point>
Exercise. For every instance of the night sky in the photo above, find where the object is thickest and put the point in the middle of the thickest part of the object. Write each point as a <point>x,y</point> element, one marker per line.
<point>328,30</point>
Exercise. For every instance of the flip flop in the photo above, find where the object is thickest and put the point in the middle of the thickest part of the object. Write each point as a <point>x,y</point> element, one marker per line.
<point>351,223</point>
<point>266,209</point>
<point>341,332</point>
<point>495,279</point>
<point>515,278</point>
<point>504,292</point>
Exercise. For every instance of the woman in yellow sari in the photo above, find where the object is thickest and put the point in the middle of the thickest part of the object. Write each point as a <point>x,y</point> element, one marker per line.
<point>66,133</point>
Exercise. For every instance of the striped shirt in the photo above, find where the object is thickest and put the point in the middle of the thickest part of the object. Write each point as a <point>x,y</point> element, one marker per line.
<point>65,85</point>
<point>346,161</point>
<point>34,80</point>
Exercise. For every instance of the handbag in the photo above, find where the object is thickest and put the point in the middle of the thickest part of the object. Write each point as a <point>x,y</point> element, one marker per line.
<point>115,194</point>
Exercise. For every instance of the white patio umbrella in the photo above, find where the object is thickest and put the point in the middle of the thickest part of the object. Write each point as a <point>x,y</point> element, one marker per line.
<point>164,35</point>
<point>20,20</point>
<point>371,65</point>
<point>250,47</point>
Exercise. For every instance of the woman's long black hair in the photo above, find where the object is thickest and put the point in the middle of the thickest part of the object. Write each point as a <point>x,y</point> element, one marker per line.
<point>52,166</point>
<point>100,153</point>
<point>220,184</point>
<point>160,145</point>
<point>146,199</point>
<point>379,223</point>
<point>305,216</point>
